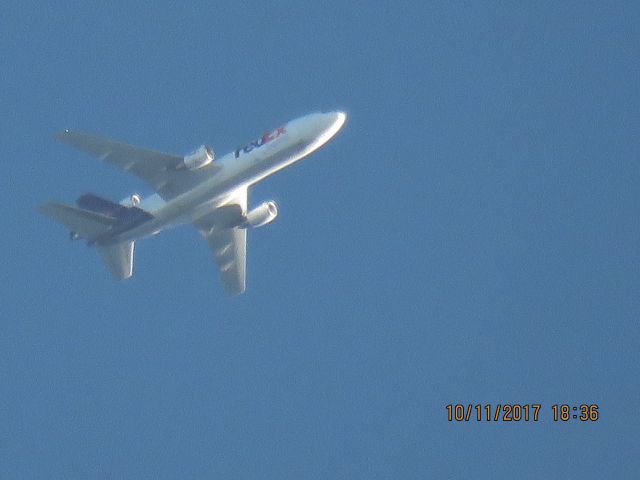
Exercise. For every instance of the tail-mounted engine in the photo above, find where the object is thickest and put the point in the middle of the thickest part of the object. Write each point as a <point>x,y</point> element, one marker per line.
<point>132,201</point>
<point>261,215</point>
<point>200,158</point>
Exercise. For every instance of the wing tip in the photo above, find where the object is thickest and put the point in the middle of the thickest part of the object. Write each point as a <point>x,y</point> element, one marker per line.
<point>48,207</point>
<point>235,292</point>
<point>63,134</point>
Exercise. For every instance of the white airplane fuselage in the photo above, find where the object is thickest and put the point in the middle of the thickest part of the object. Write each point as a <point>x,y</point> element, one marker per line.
<point>242,168</point>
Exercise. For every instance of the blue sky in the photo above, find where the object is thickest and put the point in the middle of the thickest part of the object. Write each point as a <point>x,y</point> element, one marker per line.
<point>471,236</point>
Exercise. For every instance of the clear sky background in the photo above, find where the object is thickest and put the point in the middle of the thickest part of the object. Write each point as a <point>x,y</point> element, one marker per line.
<point>471,236</point>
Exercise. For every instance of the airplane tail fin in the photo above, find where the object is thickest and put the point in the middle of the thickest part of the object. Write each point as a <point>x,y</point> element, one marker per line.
<point>117,211</point>
<point>85,223</point>
<point>97,204</point>
<point>90,225</point>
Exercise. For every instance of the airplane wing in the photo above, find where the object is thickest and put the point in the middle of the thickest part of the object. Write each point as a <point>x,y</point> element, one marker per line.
<point>158,169</point>
<point>228,244</point>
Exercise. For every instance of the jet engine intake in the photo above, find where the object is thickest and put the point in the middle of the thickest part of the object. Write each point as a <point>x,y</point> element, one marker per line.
<point>262,214</point>
<point>131,201</point>
<point>135,199</point>
<point>200,158</point>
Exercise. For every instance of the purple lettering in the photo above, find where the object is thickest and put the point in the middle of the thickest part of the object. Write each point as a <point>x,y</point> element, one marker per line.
<point>266,138</point>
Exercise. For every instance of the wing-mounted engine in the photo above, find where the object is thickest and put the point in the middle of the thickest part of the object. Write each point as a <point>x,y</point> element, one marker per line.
<point>261,215</point>
<point>200,158</point>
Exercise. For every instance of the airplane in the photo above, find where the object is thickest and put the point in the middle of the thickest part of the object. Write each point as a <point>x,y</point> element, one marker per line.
<point>197,189</point>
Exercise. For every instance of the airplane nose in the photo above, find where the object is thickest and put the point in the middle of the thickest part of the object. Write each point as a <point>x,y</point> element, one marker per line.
<point>318,125</point>
<point>338,120</point>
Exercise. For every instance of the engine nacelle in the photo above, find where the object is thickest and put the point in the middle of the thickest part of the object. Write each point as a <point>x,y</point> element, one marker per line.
<point>261,215</point>
<point>200,158</point>
<point>135,199</point>
<point>132,201</point>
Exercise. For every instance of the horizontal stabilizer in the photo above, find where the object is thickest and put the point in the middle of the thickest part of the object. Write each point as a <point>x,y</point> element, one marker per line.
<point>85,223</point>
<point>118,258</point>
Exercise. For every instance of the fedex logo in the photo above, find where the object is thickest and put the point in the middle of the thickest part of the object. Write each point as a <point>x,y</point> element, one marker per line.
<point>266,138</point>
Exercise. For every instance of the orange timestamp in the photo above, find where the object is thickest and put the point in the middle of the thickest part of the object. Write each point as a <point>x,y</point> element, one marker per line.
<point>517,412</point>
